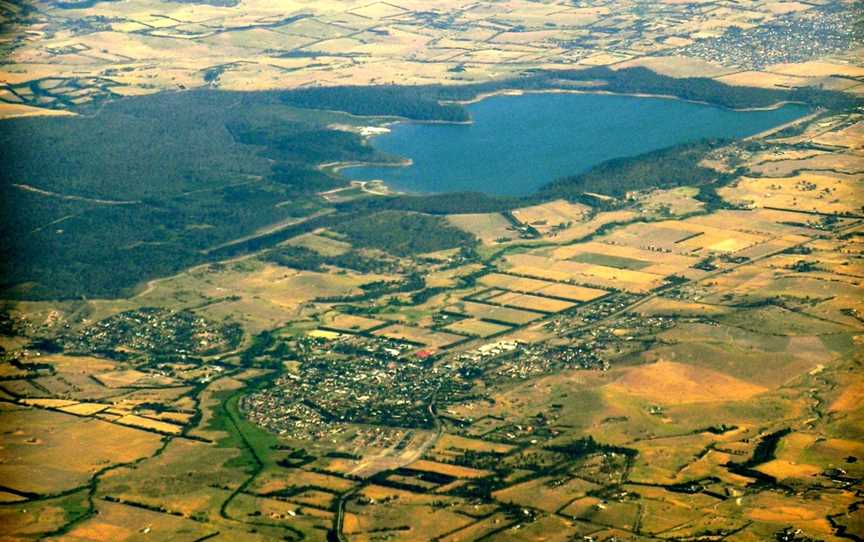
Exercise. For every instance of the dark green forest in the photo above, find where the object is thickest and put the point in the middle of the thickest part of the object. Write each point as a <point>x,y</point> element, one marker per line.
<point>665,168</point>
<point>424,102</point>
<point>146,186</point>
<point>418,103</point>
<point>404,234</point>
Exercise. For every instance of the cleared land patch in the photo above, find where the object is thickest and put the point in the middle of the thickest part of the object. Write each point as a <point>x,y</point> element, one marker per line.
<point>531,302</point>
<point>39,440</point>
<point>619,262</point>
<point>426,337</point>
<point>547,493</point>
<point>350,322</point>
<point>548,217</point>
<point>674,383</point>
<point>493,313</point>
<point>581,273</point>
<point>472,326</point>
<point>455,471</point>
<point>491,228</point>
<point>541,287</point>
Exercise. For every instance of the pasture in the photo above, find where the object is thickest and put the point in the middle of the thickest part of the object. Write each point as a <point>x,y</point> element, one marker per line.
<point>493,313</point>
<point>420,336</point>
<point>37,440</point>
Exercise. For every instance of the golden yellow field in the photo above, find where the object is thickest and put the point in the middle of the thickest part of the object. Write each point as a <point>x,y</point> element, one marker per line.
<point>626,257</point>
<point>490,228</point>
<point>472,326</point>
<point>663,306</point>
<point>668,382</point>
<point>422,521</point>
<point>169,484</point>
<point>256,294</point>
<point>493,313</point>
<point>820,192</point>
<point>455,443</point>
<point>787,167</point>
<point>131,378</point>
<point>595,276</point>
<point>73,378</point>
<point>546,288</point>
<point>349,322</point>
<point>38,440</point>
<point>8,110</point>
<point>776,508</point>
<point>450,470</point>
<point>426,337</point>
<point>848,137</point>
<point>850,397</point>
<point>672,202</point>
<point>716,242</point>
<point>126,523</point>
<point>147,423</point>
<point>271,481</point>
<point>84,409</point>
<point>531,302</point>
<point>819,68</point>
<point>653,236</point>
<point>762,79</point>
<point>546,216</point>
<point>512,282</point>
<point>782,469</point>
<point>547,493</point>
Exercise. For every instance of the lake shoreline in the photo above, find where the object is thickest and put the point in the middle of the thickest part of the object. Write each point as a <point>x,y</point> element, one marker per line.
<point>338,167</point>
<point>522,92</point>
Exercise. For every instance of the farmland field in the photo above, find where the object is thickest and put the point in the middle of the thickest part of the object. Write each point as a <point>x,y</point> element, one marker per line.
<point>493,313</point>
<point>420,336</point>
<point>470,326</point>
<point>38,444</point>
<point>530,302</point>
<point>542,287</point>
<point>619,262</point>
<point>490,228</point>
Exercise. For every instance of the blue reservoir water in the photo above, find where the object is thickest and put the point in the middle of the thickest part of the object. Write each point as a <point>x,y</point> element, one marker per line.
<point>519,143</point>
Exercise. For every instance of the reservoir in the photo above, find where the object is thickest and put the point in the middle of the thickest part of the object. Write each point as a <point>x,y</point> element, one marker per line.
<point>516,144</point>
